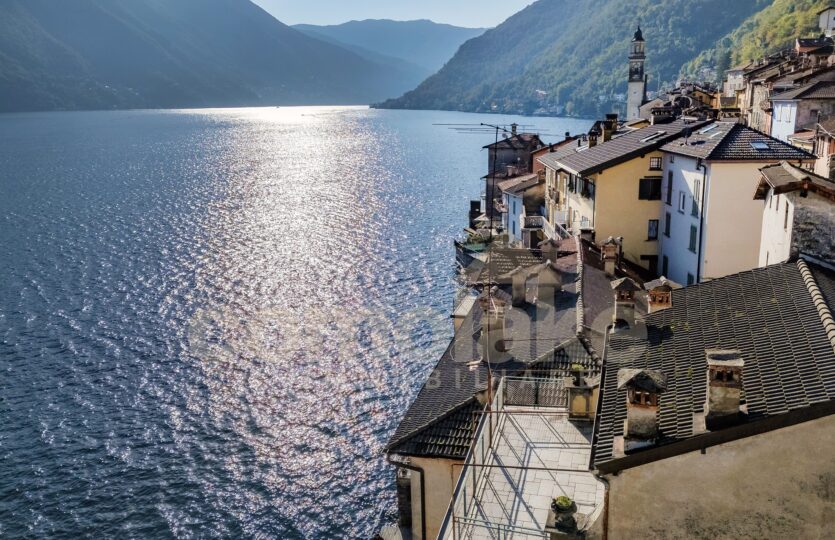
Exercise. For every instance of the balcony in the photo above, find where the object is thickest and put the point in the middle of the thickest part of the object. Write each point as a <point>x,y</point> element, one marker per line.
<point>525,453</point>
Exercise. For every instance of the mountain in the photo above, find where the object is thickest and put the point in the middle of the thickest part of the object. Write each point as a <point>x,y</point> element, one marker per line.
<point>772,28</point>
<point>102,54</point>
<point>424,44</point>
<point>531,65</point>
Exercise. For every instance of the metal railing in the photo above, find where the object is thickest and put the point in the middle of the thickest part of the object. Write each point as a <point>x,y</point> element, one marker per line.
<point>528,392</point>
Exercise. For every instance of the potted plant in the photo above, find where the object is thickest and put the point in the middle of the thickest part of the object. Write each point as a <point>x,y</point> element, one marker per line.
<point>562,504</point>
<point>564,509</point>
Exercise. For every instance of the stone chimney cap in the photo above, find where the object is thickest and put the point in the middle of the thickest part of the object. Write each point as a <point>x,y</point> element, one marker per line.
<point>612,241</point>
<point>724,358</point>
<point>625,284</point>
<point>649,380</point>
<point>662,283</point>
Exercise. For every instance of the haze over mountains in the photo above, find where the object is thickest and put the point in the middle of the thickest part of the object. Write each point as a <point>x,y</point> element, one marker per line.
<point>104,54</point>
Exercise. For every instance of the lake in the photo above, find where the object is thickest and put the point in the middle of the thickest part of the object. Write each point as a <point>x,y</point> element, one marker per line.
<point>212,320</point>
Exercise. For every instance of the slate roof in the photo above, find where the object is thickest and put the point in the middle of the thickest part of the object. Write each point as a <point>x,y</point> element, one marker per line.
<point>815,90</point>
<point>625,147</point>
<point>520,183</point>
<point>784,177</point>
<point>731,141</point>
<point>551,159</point>
<point>434,423</point>
<point>769,314</point>
<point>520,141</point>
<point>500,261</point>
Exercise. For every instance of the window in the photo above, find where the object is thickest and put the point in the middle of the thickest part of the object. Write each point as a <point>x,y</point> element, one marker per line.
<point>777,205</point>
<point>691,279</point>
<point>672,158</point>
<point>786,218</point>
<point>665,265</point>
<point>682,201</point>
<point>586,188</point>
<point>670,188</point>
<point>667,219</point>
<point>514,207</point>
<point>655,164</point>
<point>652,230</point>
<point>694,211</point>
<point>649,189</point>
<point>694,233</point>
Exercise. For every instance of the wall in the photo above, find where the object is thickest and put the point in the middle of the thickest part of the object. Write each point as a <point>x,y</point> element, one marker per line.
<point>777,485</point>
<point>440,476</point>
<point>812,226</point>
<point>775,240</point>
<point>619,212</point>
<point>676,247</point>
<point>784,120</point>
<point>733,219</point>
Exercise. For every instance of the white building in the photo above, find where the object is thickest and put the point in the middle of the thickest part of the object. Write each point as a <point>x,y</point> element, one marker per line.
<point>710,223</point>
<point>801,107</point>
<point>826,21</point>
<point>517,193</point>
<point>798,214</point>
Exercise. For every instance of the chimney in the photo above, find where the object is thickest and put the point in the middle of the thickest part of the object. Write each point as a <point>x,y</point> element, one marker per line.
<point>724,387</point>
<point>494,346</point>
<point>550,249</point>
<point>593,133</point>
<point>567,135</point>
<point>659,296</point>
<point>582,394</point>
<point>548,283</point>
<point>624,316</point>
<point>513,128</point>
<point>609,252</point>
<point>609,126</point>
<point>643,388</point>
<point>518,280</point>
<point>551,147</point>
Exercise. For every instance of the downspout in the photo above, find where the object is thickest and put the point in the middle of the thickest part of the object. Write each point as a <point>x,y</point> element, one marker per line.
<point>700,165</point>
<point>418,470</point>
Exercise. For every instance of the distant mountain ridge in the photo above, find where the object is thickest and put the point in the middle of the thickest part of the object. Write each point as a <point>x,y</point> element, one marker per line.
<point>423,43</point>
<point>103,54</point>
<point>530,65</point>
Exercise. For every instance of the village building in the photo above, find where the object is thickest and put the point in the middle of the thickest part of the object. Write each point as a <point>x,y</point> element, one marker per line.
<point>532,321</point>
<point>710,226</point>
<point>522,197</point>
<point>710,391</point>
<point>798,216</point>
<point>614,187</point>
<point>801,108</point>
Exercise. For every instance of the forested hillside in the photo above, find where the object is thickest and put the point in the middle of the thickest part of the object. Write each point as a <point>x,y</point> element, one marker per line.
<point>569,56</point>
<point>103,54</point>
<point>773,28</point>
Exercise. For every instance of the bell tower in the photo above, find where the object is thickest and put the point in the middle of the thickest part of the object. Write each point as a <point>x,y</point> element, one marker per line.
<point>637,90</point>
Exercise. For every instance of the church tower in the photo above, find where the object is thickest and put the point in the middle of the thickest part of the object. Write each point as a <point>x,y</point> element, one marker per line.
<point>637,92</point>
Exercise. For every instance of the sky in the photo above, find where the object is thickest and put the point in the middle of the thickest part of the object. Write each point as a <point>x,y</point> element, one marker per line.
<point>469,13</point>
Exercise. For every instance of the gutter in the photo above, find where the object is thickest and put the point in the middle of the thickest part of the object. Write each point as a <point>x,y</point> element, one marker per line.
<point>701,165</point>
<point>418,470</point>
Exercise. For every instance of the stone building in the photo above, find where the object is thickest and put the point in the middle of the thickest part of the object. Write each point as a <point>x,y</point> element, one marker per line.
<point>798,214</point>
<point>717,417</point>
<point>637,87</point>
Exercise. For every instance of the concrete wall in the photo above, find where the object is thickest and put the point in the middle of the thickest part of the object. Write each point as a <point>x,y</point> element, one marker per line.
<point>777,485</point>
<point>676,247</point>
<point>440,476</point>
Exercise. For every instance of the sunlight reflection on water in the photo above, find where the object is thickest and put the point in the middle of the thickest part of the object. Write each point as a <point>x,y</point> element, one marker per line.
<point>213,320</point>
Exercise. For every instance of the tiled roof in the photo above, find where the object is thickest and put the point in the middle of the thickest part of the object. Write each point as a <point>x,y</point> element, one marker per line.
<point>769,314</point>
<point>551,159</point>
<point>500,261</point>
<point>625,147</point>
<point>520,141</point>
<point>450,437</point>
<point>546,340</point>
<point>784,177</point>
<point>815,90</point>
<point>519,183</point>
<point>730,141</point>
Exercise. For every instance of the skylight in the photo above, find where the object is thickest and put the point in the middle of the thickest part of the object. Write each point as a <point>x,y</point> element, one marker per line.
<point>708,129</point>
<point>759,145</point>
<point>653,136</point>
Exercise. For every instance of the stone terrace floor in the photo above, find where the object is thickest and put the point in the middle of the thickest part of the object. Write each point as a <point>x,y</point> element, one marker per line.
<point>514,502</point>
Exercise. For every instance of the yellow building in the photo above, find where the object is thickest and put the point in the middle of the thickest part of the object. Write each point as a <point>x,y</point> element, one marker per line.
<point>614,187</point>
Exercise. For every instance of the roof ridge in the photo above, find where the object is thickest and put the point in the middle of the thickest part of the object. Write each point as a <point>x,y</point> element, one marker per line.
<point>818,299</point>
<point>580,307</point>
<point>426,425</point>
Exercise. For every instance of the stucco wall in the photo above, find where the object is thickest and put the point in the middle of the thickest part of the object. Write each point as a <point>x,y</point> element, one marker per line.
<point>775,242</point>
<point>733,219</point>
<point>778,485</point>
<point>783,119</point>
<point>440,476</point>
<point>676,247</point>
